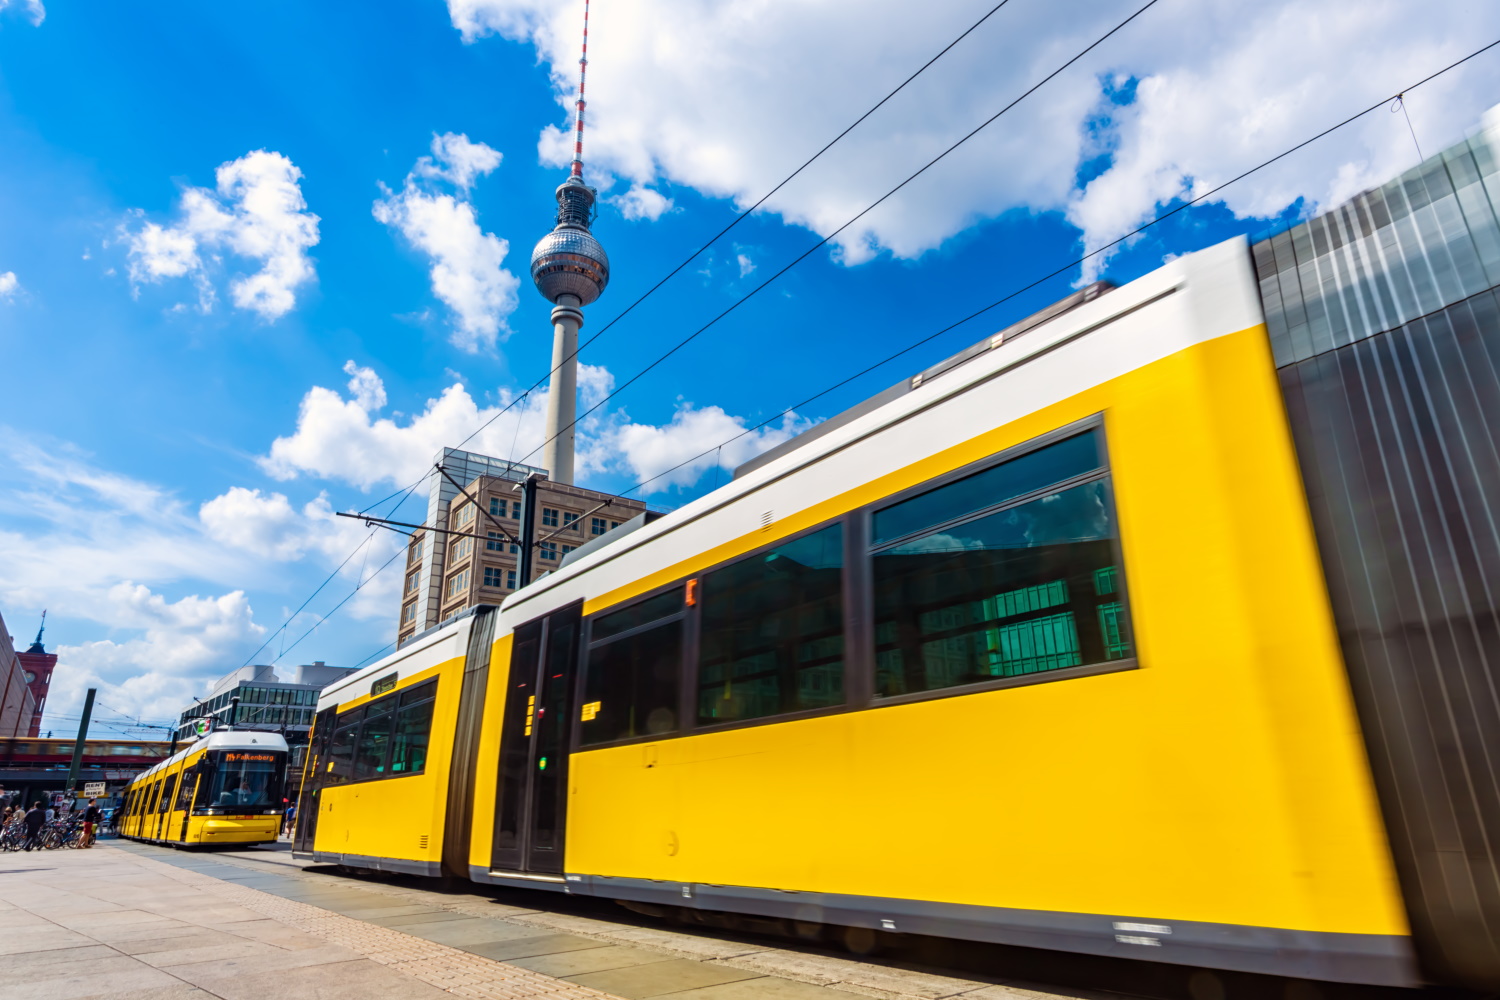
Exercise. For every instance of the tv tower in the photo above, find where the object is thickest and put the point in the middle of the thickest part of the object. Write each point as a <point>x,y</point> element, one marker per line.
<point>570,269</point>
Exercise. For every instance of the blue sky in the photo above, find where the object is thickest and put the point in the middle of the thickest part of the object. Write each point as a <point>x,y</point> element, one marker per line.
<point>146,501</point>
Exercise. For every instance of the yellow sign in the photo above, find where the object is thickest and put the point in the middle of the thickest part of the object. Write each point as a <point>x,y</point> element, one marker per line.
<point>249,756</point>
<point>591,709</point>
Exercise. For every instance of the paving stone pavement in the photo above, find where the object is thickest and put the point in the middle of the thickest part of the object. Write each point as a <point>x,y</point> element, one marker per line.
<point>232,925</point>
<point>112,924</point>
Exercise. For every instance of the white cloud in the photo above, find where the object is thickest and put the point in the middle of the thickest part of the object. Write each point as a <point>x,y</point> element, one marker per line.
<point>180,645</point>
<point>256,212</point>
<point>9,285</point>
<point>747,266</point>
<point>693,436</point>
<point>643,203</point>
<point>366,387</point>
<point>160,590</point>
<point>36,13</point>
<point>467,264</point>
<point>1210,102</point>
<point>338,438</point>
<point>457,160</point>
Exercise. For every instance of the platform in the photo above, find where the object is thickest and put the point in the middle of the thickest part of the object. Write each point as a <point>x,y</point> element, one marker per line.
<point>132,922</point>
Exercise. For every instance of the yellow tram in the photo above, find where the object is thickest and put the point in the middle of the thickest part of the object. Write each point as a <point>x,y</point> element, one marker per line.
<point>1035,648</point>
<point>225,788</point>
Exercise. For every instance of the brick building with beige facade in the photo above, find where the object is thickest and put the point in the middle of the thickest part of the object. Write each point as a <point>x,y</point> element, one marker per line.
<point>473,560</point>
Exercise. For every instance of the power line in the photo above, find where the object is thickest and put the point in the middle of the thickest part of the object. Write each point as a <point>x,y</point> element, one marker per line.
<point>671,274</point>
<point>332,611</point>
<point>736,221</point>
<point>1069,266</point>
<point>861,214</point>
<point>368,538</point>
<point>822,242</point>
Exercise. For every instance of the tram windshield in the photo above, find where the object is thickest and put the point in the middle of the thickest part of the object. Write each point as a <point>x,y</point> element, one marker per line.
<point>247,780</point>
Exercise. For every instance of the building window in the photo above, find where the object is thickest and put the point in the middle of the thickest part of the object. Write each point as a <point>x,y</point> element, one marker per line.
<point>493,543</point>
<point>414,553</point>
<point>463,548</point>
<point>549,517</point>
<point>497,507</point>
<point>997,575</point>
<point>457,584</point>
<point>568,548</point>
<point>773,631</point>
<point>491,576</point>
<point>549,551</point>
<point>515,549</point>
<point>409,613</point>
<point>596,526</point>
<point>613,525</point>
<point>464,515</point>
<point>630,683</point>
<point>569,518</point>
<point>515,510</point>
<point>510,579</point>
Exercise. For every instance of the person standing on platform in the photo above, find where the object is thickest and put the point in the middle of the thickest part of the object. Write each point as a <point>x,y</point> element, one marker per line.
<point>91,817</point>
<point>36,818</point>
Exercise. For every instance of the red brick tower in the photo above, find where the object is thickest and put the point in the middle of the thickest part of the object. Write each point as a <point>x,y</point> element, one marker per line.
<point>38,664</point>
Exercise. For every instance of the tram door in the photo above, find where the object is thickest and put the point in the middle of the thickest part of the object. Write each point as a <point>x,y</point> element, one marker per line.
<point>311,797</point>
<point>533,796</point>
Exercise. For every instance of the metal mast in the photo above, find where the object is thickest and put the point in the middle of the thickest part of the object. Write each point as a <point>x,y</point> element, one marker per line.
<point>570,269</point>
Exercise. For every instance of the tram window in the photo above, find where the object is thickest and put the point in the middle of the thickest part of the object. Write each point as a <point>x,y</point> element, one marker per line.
<point>1025,589</point>
<point>185,789</point>
<point>413,729</point>
<point>630,684</point>
<point>772,638</point>
<point>341,752</point>
<point>649,610</point>
<point>164,795</point>
<point>1074,456</point>
<point>247,780</point>
<point>374,740</point>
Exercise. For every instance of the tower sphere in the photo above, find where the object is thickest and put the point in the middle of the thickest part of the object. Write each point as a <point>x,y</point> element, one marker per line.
<point>568,261</point>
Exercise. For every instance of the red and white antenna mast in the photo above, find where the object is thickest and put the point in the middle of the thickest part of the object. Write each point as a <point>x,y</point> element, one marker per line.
<point>583,71</point>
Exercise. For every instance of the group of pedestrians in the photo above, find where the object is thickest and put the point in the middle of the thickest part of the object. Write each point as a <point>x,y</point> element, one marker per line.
<point>25,827</point>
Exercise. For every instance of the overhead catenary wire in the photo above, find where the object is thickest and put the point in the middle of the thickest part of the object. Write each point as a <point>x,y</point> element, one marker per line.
<point>334,610</point>
<point>1068,266</point>
<point>738,218</point>
<point>859,215</point>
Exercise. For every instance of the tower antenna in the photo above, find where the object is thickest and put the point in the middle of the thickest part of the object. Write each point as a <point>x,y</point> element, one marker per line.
<point>583,72</point>
<point>570,269</point>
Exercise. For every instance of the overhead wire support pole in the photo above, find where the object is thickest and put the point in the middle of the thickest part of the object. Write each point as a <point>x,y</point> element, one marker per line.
<point>83,734</point>
<point>384,523</point>
<point>475,501</point>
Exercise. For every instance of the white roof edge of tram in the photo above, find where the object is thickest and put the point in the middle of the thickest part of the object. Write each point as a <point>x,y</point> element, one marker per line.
<point>1221,299</point>
<point>222,739</point>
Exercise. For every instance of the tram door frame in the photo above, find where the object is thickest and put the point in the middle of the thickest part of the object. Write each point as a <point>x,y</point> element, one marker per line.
<point>310,796</point>
<point>531,801</point>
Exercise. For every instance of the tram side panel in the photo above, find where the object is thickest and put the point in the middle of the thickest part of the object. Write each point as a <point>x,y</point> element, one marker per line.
<point>383,784</point>
<point>1215,789</point>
